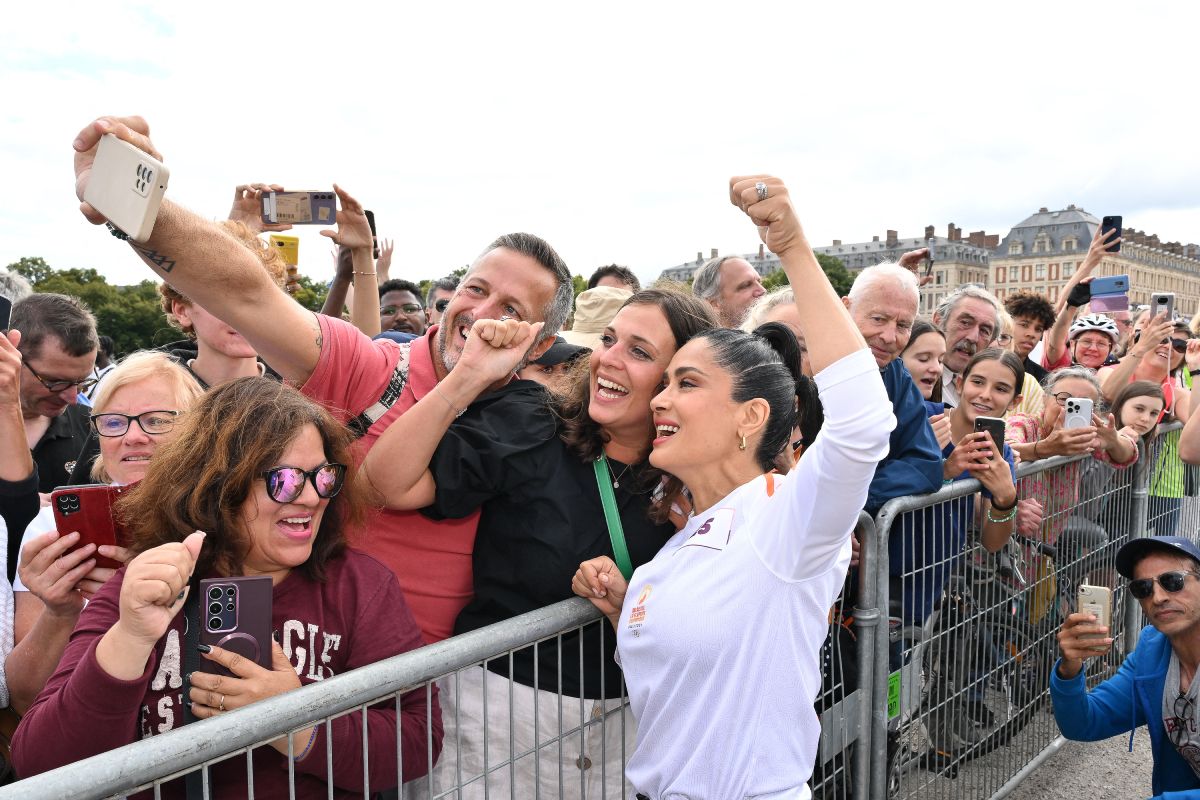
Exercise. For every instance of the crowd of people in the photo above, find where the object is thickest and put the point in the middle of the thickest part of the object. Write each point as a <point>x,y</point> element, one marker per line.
<point>406,466</point>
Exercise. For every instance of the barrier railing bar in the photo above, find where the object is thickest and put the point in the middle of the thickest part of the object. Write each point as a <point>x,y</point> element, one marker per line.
<point>866,617</point>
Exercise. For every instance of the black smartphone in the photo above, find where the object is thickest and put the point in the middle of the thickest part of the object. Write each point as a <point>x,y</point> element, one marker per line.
<point>995,427</point>
<point>5,312</point>
<point>235,615</point>
<point>929,257</point>
<point>374,234</point>
<point>1111,224</point>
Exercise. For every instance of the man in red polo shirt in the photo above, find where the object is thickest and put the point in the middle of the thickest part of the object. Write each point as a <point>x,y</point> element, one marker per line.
<point>366,383</point>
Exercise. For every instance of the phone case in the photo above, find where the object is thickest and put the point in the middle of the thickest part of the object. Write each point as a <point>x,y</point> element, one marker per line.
<point>1108,303</point>
<point>126,186</point>
<point>300,208</point>
<point>236,616</point>
<point>1096,600</point>
<point>1079,412</point>
<point>1108,224</point>
<point>1162,302</point>
<point>1109,284</point>
<point>996,427</point>
<point>88,511</point>
<point>289,248</point>
<point>5,312</point>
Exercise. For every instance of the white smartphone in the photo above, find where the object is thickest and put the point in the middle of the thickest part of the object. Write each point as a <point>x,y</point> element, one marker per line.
<point>1097,601</point>
<point>126,186</point>
<point>1162,303</point>
<point>1079,412</point>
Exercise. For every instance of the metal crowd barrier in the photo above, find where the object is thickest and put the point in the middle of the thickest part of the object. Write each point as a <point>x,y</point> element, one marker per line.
<point>936,679</point>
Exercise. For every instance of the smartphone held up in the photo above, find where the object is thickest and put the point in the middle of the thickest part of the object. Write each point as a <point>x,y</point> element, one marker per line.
<point>299,208</point>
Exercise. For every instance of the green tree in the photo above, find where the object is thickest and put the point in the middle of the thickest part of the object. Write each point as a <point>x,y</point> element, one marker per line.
<point>33,269</point>
<point>310,293</point>
<point>834,269</point>
<point>579,284</point>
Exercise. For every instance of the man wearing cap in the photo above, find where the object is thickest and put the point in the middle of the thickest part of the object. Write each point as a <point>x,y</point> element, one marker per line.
<point>1156,683</point>
<point>594,310</point>
<point>553,369</point>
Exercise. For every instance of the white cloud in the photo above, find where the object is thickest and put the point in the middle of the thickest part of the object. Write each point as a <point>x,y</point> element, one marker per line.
<point>609,129</point>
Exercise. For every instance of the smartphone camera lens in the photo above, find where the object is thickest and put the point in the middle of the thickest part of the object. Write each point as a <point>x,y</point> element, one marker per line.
<point>214,624</point>
<point>214,592</point>
<point>229,606</point>
<point>230,591</point>
<point>214,608</point>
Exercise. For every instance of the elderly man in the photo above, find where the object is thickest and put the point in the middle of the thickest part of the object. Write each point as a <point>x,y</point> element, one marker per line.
<point>58,347</point>
<point>970,318</point>
<point>883,302</point>
<point>730,285</point>
<point>1156,685</point>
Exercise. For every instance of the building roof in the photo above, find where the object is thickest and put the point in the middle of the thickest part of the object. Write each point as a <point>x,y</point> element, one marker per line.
<point>1071,214</point>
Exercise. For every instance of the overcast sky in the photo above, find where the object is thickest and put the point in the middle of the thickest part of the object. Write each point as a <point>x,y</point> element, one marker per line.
<point>610,129</point>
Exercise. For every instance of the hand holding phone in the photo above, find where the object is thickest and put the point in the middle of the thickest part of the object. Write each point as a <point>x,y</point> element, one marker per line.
<point>235,615</point>
<point>1097,601</point>
<point>929,257</point>
<point>126,187</point>
<point>5,312</point>
<point>995,427</point>
<point>1078,413</point>
<point>299,208</point>
<point>88,510</point>
<point>1162,303</point>
<point>1111,224</point>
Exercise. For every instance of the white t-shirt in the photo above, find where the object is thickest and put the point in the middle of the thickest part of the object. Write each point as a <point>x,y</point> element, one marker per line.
<point>720,633</point>
<point>6,615</point>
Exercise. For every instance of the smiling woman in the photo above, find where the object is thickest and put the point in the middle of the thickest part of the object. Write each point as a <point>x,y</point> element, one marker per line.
<point>258,468</point>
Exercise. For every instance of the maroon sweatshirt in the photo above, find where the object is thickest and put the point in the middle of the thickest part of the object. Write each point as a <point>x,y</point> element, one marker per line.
<point>357,616</point>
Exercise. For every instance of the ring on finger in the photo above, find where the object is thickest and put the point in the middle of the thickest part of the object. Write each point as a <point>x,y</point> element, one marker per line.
<point>761,188</point>
<point>221,705</point>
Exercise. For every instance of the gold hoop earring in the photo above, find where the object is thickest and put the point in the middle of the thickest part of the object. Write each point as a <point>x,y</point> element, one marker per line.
<point>742,446</point>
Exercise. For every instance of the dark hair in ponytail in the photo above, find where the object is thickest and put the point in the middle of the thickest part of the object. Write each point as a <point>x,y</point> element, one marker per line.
<point>764,364</point>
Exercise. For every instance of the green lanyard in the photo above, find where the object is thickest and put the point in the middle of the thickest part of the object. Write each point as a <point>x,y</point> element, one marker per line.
<point>616,533</point>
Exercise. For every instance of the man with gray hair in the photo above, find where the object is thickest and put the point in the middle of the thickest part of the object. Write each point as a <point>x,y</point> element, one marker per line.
<point>970,318</point>
<point>883,303</point>
<point>730,285</point>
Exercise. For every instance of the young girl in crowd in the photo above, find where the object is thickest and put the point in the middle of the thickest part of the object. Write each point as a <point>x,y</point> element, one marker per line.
<point>923,357</point>
<point>259,468</point>
<point>734,607</point>
<point>543,511</point>
<point>135,411</point>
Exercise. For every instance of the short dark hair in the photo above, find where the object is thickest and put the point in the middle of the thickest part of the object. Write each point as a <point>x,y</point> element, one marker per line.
<point>400,285</point>
<point>623,274</point>
<point>1030,305</point>
<point>537,248</point>
<point>66,318</point>
<point>446,284</point>
<point>764,364</point>
<point>200,479</point>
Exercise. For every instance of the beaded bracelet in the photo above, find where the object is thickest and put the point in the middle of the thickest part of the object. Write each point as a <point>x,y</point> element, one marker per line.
<point>117,232</point>
<point>312,737</point>
<point>1008,517</point>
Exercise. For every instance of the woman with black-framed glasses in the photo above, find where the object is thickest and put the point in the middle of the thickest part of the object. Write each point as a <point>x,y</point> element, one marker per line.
<point>55,577</point>
<point>260,470</point>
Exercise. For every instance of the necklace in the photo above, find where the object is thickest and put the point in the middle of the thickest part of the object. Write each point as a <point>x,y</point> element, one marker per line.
<point>616,478</point>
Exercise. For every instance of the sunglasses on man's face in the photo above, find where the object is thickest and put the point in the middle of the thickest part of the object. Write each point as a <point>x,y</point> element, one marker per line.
<point>1170,581</point>
<point>285,484</point>
<point>440,305</point>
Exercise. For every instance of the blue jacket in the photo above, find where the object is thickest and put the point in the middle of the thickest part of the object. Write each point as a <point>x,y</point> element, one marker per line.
<point>914,461</point>
<point>1127,700</point>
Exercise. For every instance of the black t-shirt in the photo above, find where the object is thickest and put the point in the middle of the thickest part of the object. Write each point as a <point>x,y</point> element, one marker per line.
<point>541,516</point>
<point>1035,369</point>
<point>59,448</point>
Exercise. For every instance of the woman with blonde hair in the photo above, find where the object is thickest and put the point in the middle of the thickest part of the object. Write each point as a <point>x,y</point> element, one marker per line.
<point>134,412</point>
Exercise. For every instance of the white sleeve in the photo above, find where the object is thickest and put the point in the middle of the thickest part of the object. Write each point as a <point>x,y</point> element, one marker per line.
<point>43,522</point>
<point>801,531</point>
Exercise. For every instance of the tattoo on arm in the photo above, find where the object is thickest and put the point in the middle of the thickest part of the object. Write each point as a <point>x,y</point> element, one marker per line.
<point>155,258</point>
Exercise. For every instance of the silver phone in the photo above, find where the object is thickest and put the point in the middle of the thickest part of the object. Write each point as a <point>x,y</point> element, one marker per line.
<point>1097,601</point>
<point>1162,303</point>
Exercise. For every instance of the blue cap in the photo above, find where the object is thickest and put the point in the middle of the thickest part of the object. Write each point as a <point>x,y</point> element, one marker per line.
<point>1137,549</point>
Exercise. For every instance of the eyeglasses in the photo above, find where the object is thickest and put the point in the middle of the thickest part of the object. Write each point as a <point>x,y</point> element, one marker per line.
<point>1062,397</point>
<point>1182,722</point>
<point>1103,343</point>
<point>407,308</point>
<point>285,484</point>
<point>59,385</point>
<point>440,305</point>
<point>1004,338</point>
<point>1170,581</point>
<point>152,422</point>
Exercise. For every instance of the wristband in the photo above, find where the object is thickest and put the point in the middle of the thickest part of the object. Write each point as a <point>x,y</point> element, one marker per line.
<point>1008,507</point>
<point>1008,517</point>
<point>312,737</point>
<point>1035,452</point>
<point>458,412</point>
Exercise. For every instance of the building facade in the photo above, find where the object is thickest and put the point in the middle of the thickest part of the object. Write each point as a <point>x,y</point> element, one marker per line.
<point>1042,252</point>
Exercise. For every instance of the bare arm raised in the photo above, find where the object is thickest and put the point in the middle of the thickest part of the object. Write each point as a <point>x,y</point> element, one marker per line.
<point>211,267</point>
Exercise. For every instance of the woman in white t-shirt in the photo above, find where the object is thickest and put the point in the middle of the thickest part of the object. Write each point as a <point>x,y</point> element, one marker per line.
<point>719,634</point>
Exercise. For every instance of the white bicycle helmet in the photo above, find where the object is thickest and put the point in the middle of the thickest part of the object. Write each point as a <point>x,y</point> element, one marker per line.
<point>1095,322</point>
